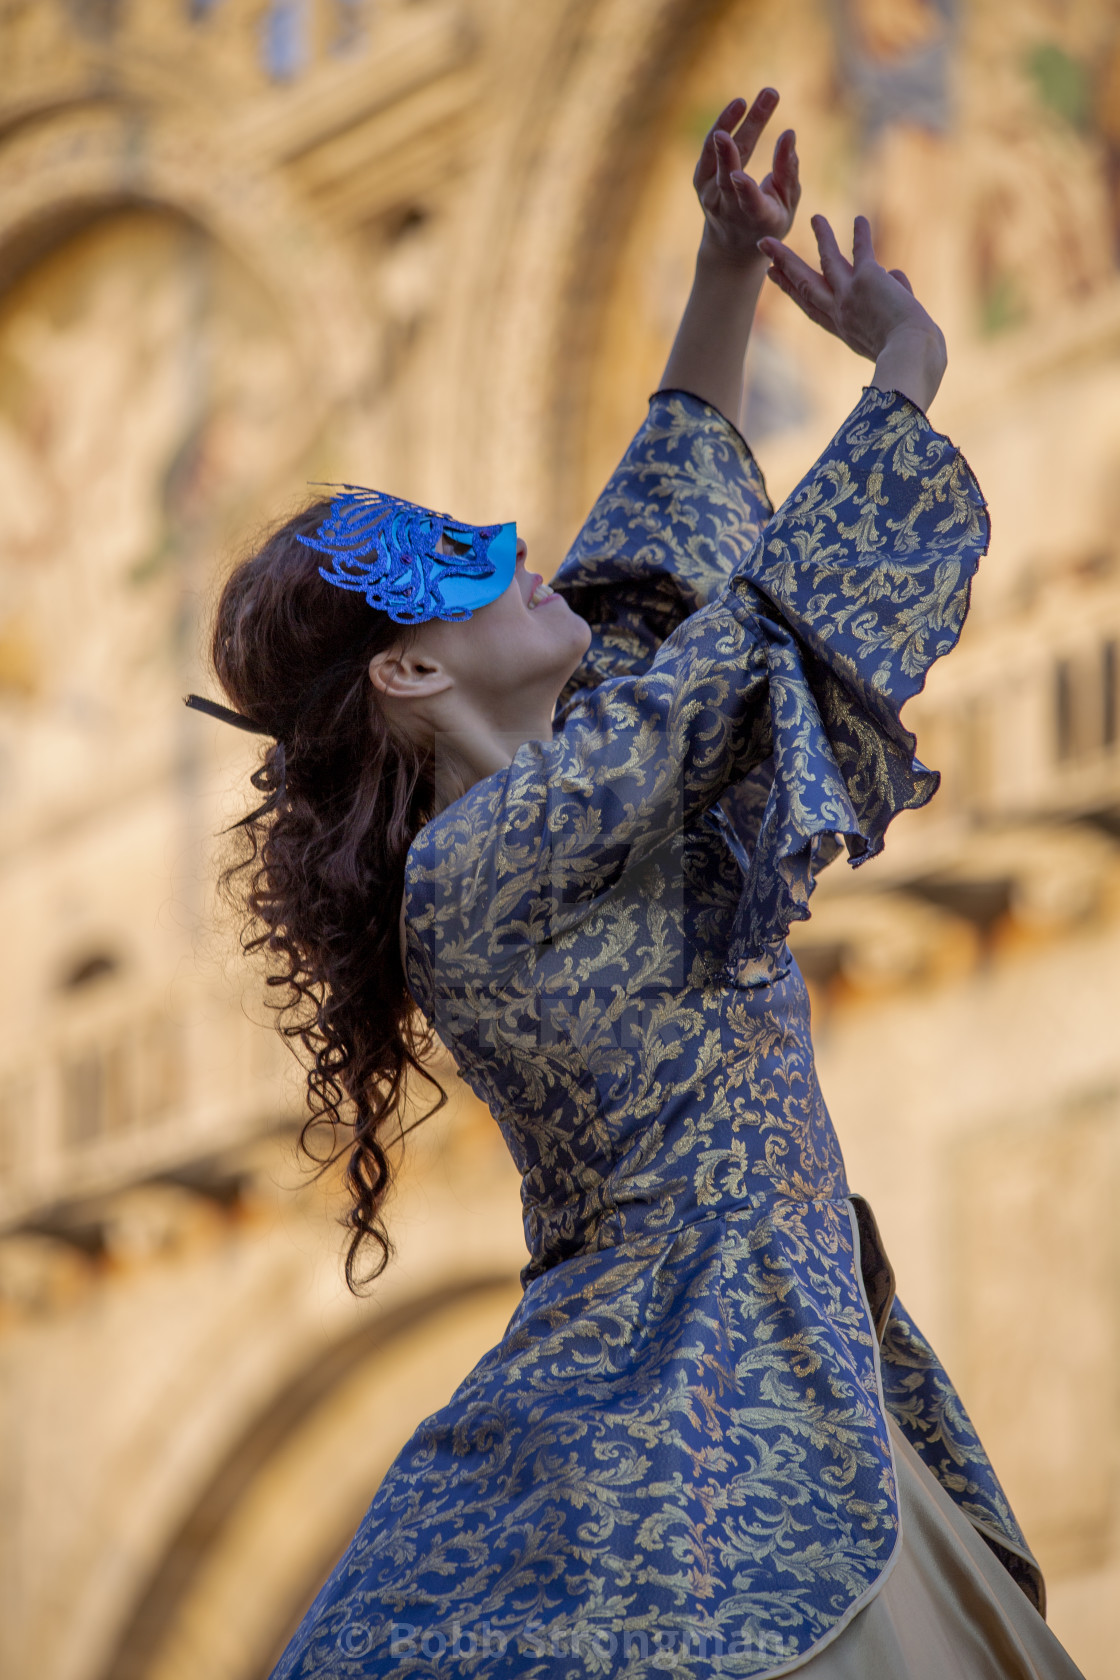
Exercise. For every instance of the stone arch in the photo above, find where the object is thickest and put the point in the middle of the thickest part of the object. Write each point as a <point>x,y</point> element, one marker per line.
<point>303,1459</point>
<point>61,172</point>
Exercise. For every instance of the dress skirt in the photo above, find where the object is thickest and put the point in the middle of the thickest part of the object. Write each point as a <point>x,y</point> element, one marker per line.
<point>948,1610</point>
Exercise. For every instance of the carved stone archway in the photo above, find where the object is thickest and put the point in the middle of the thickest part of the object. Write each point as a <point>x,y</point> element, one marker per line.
<point>61,173</point>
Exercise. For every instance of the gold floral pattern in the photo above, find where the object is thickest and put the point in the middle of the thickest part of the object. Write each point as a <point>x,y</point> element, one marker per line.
<point>677,1456</point>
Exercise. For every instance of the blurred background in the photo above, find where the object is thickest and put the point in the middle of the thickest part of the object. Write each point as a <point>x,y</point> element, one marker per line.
<point>440,246</point>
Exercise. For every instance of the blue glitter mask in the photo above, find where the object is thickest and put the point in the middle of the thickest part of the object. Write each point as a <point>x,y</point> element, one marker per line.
<point>388,550</point>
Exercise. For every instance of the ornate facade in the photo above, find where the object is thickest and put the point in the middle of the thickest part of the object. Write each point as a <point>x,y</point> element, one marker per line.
<point>439,245</point>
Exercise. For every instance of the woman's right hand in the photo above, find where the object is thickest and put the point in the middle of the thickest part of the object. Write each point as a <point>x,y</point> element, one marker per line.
<point>872,309</point>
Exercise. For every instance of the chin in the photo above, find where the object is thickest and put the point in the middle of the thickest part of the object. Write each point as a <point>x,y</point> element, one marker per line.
<point>578,643</point>
<point>581,631</point>
<point>574,645</point>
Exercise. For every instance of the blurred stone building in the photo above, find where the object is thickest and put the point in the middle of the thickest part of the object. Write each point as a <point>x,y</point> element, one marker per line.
<point>439,245</point>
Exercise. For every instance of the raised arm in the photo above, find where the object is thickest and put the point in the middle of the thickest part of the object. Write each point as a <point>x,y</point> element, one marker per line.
<point>711,342</point>
<point>687,499</point>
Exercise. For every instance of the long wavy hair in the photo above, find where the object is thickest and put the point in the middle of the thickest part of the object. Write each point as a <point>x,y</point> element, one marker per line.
<point>320,867</point>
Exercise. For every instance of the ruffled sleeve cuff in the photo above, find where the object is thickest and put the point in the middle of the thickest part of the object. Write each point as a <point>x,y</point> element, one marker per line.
<point>861,582</point>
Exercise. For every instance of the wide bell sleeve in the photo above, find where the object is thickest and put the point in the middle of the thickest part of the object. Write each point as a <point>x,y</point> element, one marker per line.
<point>681,509</point>
<point>862,581</point>
<point>799,664</point>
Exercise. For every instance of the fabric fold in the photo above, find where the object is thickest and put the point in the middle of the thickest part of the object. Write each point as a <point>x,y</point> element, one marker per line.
<point>676,516</point>
<point>859,584</point>
<point>932,1416</point>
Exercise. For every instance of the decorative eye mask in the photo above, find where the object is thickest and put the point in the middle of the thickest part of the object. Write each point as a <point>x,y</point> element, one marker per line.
<point>389,551</point>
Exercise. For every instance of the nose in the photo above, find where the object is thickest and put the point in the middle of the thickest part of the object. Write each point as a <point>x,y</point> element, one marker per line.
<point>522,551</point>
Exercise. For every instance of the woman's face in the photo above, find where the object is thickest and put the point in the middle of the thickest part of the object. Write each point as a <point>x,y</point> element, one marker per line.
<point>512,657</point>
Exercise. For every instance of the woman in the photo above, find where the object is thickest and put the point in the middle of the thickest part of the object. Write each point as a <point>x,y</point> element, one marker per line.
<point>710,1441</point>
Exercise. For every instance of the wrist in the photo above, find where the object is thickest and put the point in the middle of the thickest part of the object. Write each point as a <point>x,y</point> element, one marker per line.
<point>912,360</point>
<point>712,257</point>
<point>922,339</point>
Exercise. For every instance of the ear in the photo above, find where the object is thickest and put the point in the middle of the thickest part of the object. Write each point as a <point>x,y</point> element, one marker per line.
<point>403,675</point>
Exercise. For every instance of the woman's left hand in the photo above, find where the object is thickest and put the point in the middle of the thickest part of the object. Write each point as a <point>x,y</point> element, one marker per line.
<point>738,210</point>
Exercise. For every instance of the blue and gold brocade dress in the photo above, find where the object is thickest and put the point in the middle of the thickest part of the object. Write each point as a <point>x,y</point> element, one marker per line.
<point>677,1459</point>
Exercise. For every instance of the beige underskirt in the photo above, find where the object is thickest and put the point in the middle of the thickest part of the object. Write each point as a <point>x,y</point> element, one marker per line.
<point>948,1610</point>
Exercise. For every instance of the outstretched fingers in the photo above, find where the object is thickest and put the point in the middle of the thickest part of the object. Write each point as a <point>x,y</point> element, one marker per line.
<point>723,124</point>
<point>862,249</point>
<point>808,288</point>
<point>752,125</point>
<point>834,265</point>
<point>727,159</point>
<point>804,302</point>
<point>784,178</point>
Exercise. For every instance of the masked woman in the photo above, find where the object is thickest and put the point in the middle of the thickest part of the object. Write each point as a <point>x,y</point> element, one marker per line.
<point>711,1441</point>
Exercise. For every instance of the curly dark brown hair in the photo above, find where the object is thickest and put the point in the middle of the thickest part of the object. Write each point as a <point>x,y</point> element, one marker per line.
<point>321,869</point>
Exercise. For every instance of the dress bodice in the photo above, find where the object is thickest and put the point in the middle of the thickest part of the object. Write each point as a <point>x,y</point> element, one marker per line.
<point>638,1085</point>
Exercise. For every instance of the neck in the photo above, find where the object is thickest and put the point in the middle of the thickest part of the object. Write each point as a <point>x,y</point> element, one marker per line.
<point>476,747</point>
